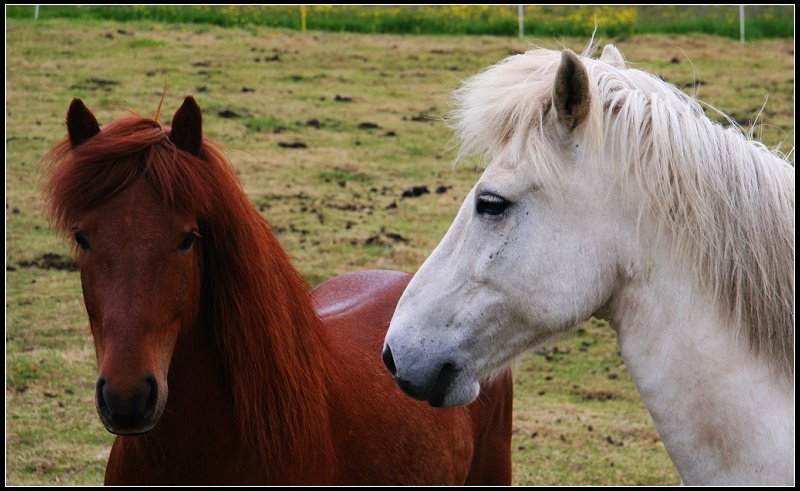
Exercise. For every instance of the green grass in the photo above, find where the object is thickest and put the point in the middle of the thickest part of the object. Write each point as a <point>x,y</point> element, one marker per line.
<point>265,123</point>
<point>342,177</point>
<point>331,204</point>
<point>146,43</point>
<point>761,21</point>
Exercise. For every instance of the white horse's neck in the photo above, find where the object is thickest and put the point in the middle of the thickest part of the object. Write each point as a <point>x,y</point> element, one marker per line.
<point>725,417</point>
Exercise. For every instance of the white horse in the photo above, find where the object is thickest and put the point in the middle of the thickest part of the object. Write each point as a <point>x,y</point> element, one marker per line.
<point>608,192</point>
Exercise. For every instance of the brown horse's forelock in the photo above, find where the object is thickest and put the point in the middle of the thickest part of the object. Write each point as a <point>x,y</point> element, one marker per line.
<point>85,177</point>
<point>268,335</point>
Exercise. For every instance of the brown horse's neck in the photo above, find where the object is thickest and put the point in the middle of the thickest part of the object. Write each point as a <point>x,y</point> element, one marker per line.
<point>270,341</point>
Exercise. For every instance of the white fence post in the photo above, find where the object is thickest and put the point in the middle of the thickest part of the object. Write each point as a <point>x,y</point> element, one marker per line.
<point>36,13</point>
<point>741,23</point>
<point>521,20</point>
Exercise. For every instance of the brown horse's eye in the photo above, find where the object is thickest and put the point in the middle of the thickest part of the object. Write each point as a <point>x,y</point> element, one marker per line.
<point>187,241</point>
<point>80,239</point>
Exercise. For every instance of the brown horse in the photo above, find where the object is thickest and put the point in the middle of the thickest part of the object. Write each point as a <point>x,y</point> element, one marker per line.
<point>186,287</point>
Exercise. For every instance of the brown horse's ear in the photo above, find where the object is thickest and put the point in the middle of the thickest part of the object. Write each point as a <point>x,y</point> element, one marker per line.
<point>81,123</point>
<point>571,94</point>
<point>187,127</point>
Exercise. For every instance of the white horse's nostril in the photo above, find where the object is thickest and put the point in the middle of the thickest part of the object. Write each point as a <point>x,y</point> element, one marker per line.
<point>388,359</point>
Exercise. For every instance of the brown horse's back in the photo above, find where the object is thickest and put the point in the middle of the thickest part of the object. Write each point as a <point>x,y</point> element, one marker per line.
<point>410,442</point>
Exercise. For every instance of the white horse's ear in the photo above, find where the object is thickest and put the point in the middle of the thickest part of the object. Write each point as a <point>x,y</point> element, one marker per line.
<point>613,57</point>
<point>571,96</point>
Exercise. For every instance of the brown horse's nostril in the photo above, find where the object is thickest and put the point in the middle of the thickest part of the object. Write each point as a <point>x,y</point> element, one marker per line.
<point>102,407</point>
<point>388,360</point>
<point>152,396</point>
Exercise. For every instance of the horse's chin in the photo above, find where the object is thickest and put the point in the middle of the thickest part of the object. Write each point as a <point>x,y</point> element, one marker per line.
<point>130,432</point>
<point>130,428</point>
<point>460,393</point>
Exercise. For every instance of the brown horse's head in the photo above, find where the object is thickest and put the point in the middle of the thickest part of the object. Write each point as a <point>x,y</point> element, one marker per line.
<point>129,198</point>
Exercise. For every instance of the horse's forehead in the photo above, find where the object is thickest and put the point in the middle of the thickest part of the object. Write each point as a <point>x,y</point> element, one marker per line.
<point>138,210</point>
<point>514,163</point>
<point>502,170</point>
<point>136,199</point>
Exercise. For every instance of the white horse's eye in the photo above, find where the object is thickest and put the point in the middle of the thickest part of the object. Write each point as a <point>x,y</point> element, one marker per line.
<point>491,204</point>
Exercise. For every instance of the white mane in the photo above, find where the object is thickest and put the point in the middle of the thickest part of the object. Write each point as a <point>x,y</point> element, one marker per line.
<point>727,201</point>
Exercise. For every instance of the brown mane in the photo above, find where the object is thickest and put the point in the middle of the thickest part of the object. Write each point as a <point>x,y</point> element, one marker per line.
<point>269,338</point>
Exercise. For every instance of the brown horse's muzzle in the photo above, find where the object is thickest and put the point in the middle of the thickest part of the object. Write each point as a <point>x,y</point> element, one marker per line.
<point>128,410</point>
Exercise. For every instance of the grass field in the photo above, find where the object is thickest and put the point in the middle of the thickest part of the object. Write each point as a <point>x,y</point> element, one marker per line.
<point>366,107</point>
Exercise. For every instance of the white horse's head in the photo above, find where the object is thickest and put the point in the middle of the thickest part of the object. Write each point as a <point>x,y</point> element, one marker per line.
<point>581,154</point>
<point>535,247</point>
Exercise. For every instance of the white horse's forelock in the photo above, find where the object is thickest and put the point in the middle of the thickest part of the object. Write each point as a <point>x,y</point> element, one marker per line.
<point>726,200</point>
